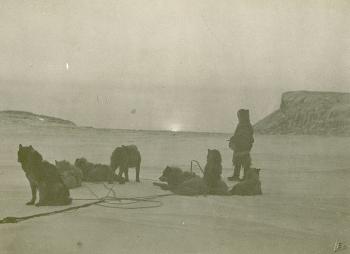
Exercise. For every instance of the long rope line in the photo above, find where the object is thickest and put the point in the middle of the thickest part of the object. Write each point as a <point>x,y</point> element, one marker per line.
<point>106,201</point>
<point>11,219</point>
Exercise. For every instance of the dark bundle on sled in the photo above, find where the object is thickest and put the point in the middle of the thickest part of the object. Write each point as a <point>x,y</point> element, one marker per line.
<point>95,172</point>
<point>186,183</point>
<point>44,177</point>
<point>181,182</point>
<point>71,175</point>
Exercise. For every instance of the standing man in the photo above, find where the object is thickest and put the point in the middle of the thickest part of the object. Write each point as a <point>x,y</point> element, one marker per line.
<point>241,143</point>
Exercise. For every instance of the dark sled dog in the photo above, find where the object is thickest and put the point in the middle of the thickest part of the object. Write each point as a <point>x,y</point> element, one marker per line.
<point>44,177</point>
<point>126,157</point>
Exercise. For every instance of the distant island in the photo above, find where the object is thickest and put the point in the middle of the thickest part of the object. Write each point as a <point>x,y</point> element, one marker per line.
<point>13,117</point>
<point>310,113</point>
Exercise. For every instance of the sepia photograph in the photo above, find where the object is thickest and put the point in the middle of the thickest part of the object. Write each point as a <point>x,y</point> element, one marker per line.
<point>174,126</point>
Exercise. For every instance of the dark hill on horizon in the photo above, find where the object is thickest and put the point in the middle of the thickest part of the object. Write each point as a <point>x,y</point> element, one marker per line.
<point>14,119</point>
<point>310,113</point>
<point>23,118</point>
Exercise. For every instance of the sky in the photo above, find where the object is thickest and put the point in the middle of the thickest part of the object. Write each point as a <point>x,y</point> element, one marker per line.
<point>168,64</point>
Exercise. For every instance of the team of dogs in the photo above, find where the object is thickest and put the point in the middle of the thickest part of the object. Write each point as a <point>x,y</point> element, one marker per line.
<point>53,182</point>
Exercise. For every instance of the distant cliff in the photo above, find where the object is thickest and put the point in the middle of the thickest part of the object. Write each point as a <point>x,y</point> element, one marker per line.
<point>23,118</point>
<point>314,113</point>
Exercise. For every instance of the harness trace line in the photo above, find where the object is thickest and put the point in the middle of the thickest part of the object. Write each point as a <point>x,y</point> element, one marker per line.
<point>106,201</point>
<point>11,219</point>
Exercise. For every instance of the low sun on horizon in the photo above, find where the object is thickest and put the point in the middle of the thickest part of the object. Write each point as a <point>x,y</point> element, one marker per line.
<point>175,127</point>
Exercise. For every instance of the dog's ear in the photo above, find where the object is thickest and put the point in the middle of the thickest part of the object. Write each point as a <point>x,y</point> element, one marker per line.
<point>30,147</point>
<point>20,146</point>
<point>56,162</point>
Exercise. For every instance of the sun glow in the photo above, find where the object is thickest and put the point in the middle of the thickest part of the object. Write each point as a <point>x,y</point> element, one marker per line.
<point>175,127</point>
